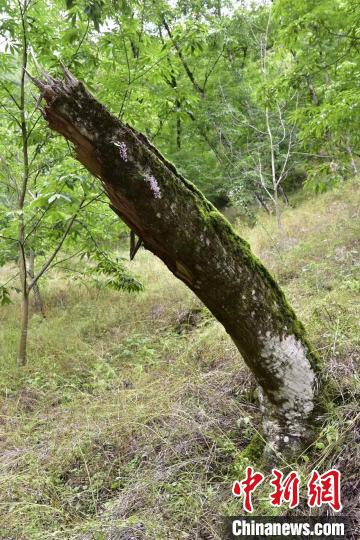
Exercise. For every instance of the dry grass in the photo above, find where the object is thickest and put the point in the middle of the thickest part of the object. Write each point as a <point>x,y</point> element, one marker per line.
<point>133,414</point>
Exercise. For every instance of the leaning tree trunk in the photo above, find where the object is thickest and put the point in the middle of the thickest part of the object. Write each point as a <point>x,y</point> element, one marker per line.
<point>198,245</point>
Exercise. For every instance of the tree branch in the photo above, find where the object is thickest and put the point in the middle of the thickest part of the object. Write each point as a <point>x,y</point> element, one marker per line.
<point>183,61</point>
<point>10,114</point>
<point>10,94</point>
<point>57,249</point>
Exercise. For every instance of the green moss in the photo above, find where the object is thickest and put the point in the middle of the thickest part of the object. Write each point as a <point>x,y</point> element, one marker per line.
<point>287,314</point>
<point>254,450</point>
<point>252,456</point>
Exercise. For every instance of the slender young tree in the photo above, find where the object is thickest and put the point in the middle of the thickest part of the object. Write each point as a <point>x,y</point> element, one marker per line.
<point>23,273</point>
<point>275,135</point>
<point>28,278</point>
<point>41,206</point>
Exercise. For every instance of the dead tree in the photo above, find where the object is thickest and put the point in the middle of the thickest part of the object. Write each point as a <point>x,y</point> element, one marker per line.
<point>198,245</point>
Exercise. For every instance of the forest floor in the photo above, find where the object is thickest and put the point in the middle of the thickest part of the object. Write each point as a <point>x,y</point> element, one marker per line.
<point>134,414</point>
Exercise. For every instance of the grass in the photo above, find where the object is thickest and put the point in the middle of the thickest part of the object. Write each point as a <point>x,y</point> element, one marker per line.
<point>135,412</point>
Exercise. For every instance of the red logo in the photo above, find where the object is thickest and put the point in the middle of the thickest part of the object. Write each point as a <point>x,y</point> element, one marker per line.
<point>286,490</point>
<point>325,489</point>
<point>321,489</point>
<point>247,486</point>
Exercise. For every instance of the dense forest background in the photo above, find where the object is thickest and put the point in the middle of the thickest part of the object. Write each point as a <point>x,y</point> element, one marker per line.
<point>124,407</point>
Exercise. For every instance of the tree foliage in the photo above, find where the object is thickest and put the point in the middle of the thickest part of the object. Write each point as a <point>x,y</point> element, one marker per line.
<point>248,102</point>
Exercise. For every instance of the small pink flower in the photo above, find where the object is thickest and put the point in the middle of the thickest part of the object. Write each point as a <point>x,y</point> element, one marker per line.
<point>122,150</point>
<point>154,186</point>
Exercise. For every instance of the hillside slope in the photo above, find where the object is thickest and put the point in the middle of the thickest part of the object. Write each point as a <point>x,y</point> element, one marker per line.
<point>135,413</point>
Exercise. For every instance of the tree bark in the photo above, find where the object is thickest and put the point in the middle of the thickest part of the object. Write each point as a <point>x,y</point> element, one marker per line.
<point>283,195</point>
<point>278,214</point>
<point>24,325</point>
<point>21,357</point>
<point>261,203</point>
<point>38,303</point>
<point>352,160</point>
<point>200,247</point>
<point>135,245</point>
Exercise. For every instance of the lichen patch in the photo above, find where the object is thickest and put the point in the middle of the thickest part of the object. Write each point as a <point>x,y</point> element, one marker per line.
<point>286,359</point>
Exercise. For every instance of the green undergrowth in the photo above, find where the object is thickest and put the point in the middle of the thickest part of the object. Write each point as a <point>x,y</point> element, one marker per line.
<point>135,413</point>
